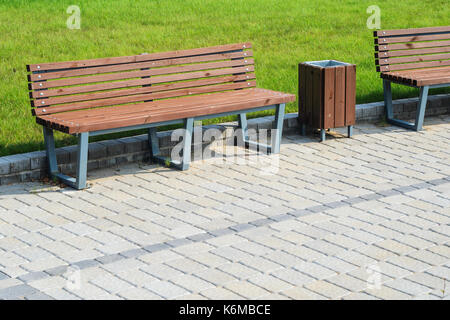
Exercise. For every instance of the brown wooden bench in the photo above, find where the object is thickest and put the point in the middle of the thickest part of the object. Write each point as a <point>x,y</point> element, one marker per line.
<point>91,97</point>
<point>413,57</point>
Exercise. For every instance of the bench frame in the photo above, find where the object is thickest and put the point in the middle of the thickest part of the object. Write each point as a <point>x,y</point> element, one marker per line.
<point>83,143</point>
<point>411,50</point>
<point>420,114</point>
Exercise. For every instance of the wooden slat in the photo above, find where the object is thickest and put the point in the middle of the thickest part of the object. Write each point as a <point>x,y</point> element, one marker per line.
<point>142,97</point>
<point>350,89</point>
<point>309,98</point>
<point>317,96</point>
<point>329,85</point>
<point>396,32</point>
<point>415,45</point>
<point>415,65</point>
<point>414,38</point>
<point>390,61</point>
<point>339,99</point>
<point>141,73</point>
<point>137,65</point>
<point>432,81</point>
<point>401,53</point>
<point>153,80</point>
<point>140,90</point>
<point>138,58</point>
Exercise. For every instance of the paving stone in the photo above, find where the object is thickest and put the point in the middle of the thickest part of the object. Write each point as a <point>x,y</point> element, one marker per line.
<point>366,202</point>
<point>39,296</point>
<point>408,287</point>
<point>106,259</point>
<point>33,276</point>
<point>3,276</point>
<point>327,289</point>
<point>166,289</point>
<point>16,292</point>
<point>111,283</point>
<point>292,276</point>
<point>427,280</point>
<point>201,237</point>
<point>387,293</point>
<point>156,247</point>
<point>246,289</point>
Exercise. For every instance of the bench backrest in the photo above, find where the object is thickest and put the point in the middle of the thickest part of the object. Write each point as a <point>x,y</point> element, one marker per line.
<point>75,85</point>
<point>407,49</point>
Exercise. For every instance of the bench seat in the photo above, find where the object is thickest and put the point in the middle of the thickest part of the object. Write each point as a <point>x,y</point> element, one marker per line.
<point>419,77</point>
<point>91,120</point>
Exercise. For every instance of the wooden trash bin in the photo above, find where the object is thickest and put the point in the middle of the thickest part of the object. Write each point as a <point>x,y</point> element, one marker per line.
<point>327,95</point>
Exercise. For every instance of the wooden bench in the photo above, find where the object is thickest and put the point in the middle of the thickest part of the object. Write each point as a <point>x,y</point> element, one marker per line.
<point>413,57</point>
<point>92,97</point>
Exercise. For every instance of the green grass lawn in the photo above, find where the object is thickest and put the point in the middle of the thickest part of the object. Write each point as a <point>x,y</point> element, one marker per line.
<point>283,33</point>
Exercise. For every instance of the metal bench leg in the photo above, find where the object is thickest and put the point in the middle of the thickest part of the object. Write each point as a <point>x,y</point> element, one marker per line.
<point>187,142</point>
<point>417,126</point>
<point>153,142</point>
<point>242,123</point>
<point>83,142</point>
<point>278,126</point>
<point>50,151</point>
<point>350,131</point>
<point>387,92</point>
<point>421,108</point>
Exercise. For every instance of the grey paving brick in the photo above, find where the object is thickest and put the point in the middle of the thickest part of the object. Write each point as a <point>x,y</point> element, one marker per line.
<point>389,193</point>
<point>241,227</point>
<point>355,200</point>
<point>437,182</point>
<point>408,287</point>
<point>300,213</point>
<point>336,204</point>
<point>39,296</point>
<point>319,208</point>
<point>178,242</point>
<point>156,247</point>
<point>166,289</point>
<point>92,263</point>
<point>132,253</point>
<point>405,189</point>
<point>201,237</point>
<point>220,232</point>
<point>16,292</point>
<point>109,258</point>
<point>3,276</point>
<point>57,271</point>
<point>261,222</point>
<point>281,217</point>
<point>32,276</point>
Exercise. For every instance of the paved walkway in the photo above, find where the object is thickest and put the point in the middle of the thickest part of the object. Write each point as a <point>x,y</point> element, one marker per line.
<point>367,217</point>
